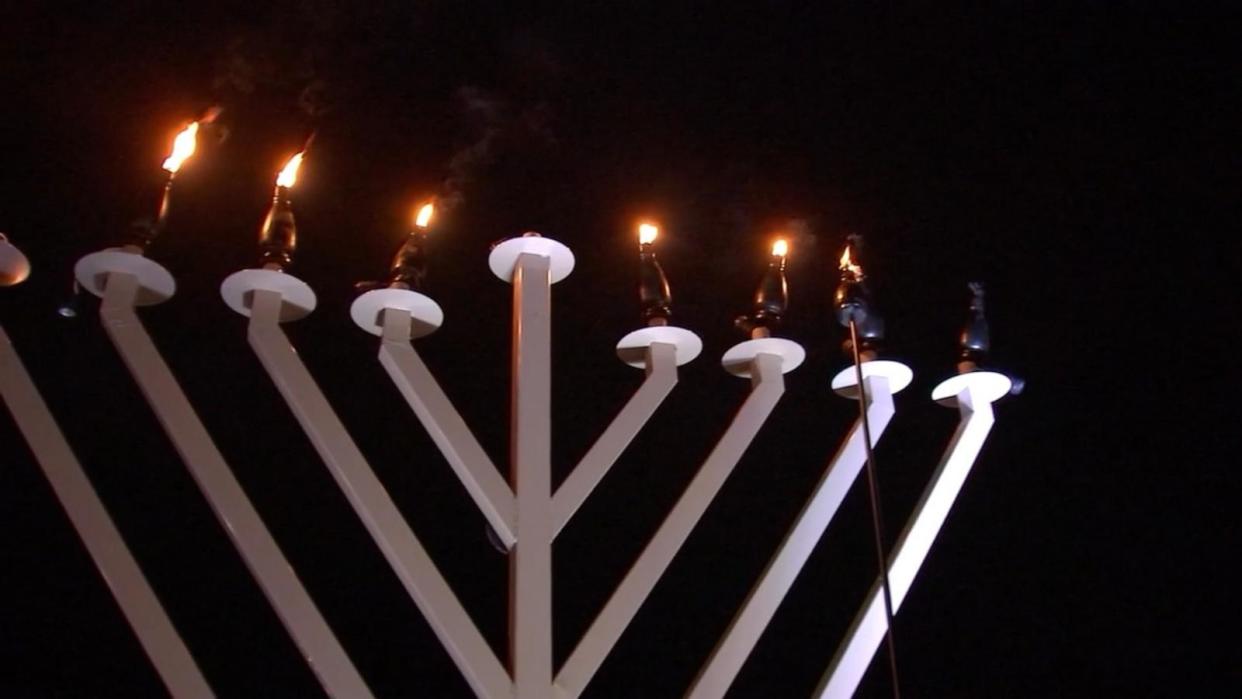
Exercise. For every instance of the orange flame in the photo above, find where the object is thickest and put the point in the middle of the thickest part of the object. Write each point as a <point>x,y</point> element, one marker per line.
<point>289,174</point>
<point>647,233</point>
<point>847,264</point>
<point>780,248</point>
<point>183,147</point>
<point>423,218</point>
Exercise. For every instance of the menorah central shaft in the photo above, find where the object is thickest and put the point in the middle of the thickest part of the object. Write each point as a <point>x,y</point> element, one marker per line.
<point>530,633</point>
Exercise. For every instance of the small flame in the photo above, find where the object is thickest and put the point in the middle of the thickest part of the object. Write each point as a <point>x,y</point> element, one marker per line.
<point>780,248</point>
<point>847,264</point>
<point>289,175</point>
<point>423,218</point>
<point>183,147</point>
<point>647,233</point>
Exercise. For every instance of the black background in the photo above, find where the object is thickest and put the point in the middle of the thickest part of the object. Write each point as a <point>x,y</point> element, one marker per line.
<point>1077,159</point>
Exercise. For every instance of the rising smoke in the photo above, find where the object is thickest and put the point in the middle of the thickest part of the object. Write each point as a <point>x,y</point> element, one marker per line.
<point>323,56</point>
<point>494,124</point>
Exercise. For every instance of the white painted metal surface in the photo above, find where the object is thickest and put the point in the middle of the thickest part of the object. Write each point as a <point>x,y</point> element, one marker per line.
<point>739,359</point>
<point>632,349</point>
<point>297,298</point>
<point>425,314</point>
<point>504,256</point>
<point>142,609</point>
<point>409,560</point>
<point>155,284</point>
<point>530,596</point>
<point>229,502</point>
<point>526,516</point>
<point>476,471</point>
<point>845,383</point>
<point>768,385</point>
<point>974,400</point>
<point>661,362</point>
<point>987,386</point>
<point>765,597</point>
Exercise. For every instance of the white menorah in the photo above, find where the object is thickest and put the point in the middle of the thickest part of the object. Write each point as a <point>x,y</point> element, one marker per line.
<point>524,512</point>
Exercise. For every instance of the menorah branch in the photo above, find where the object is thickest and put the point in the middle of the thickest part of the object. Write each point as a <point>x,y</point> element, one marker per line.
<point>142,609</point>
<point>369,498</point>
<point>768,386</point>
<point>765,597</point>
<point>595,464</point>
<point>229,502</point>
<point>974,400</point>
<point>476,471</point>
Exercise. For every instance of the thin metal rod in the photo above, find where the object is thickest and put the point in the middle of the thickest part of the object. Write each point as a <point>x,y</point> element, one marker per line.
<point>142,609</point>
<point>229,502</point>
<point>766,596</point>
<point>767,387</point>
<point>661,377</point>
<point>530,604</point>
<point>476,471</point>
<point>406,555</point>
<point>877,522</point>
<point>863,639</point>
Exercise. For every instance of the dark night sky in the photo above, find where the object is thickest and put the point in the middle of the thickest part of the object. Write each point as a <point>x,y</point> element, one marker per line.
<point>1076,161</point>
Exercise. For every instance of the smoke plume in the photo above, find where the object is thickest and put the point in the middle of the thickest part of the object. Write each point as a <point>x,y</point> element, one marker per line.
<point>494,124</point>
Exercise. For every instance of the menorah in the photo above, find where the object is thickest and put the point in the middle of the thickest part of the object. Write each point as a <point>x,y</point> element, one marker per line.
<point>524,512</point>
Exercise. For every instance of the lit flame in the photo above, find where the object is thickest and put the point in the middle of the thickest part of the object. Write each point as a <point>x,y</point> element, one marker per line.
<point>780,248</point>
<point>423,218</point>
<point>847,264</point>
<point>647,233</point>
<point>183,147</point>
<point>289,175</point>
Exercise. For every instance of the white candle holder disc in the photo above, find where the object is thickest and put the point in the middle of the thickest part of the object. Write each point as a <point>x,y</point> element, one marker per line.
<point>504,256</point>
<point>426,316</point>
<point>155,283</point>
<point>297,299</point>
<point>632,349</point>
<point>986,386</point>
<point>737,360</point>
<point>845,383</point>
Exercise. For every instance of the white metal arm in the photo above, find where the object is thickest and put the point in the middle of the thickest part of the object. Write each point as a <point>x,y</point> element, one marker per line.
<point>867,631</point>
<point>406,555</point>
<point>661,377</point>
<point>120,571</point>
<point>229,502</point>
<point>617,613</point>
<point>442,421</point>
<point>760,606</point>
